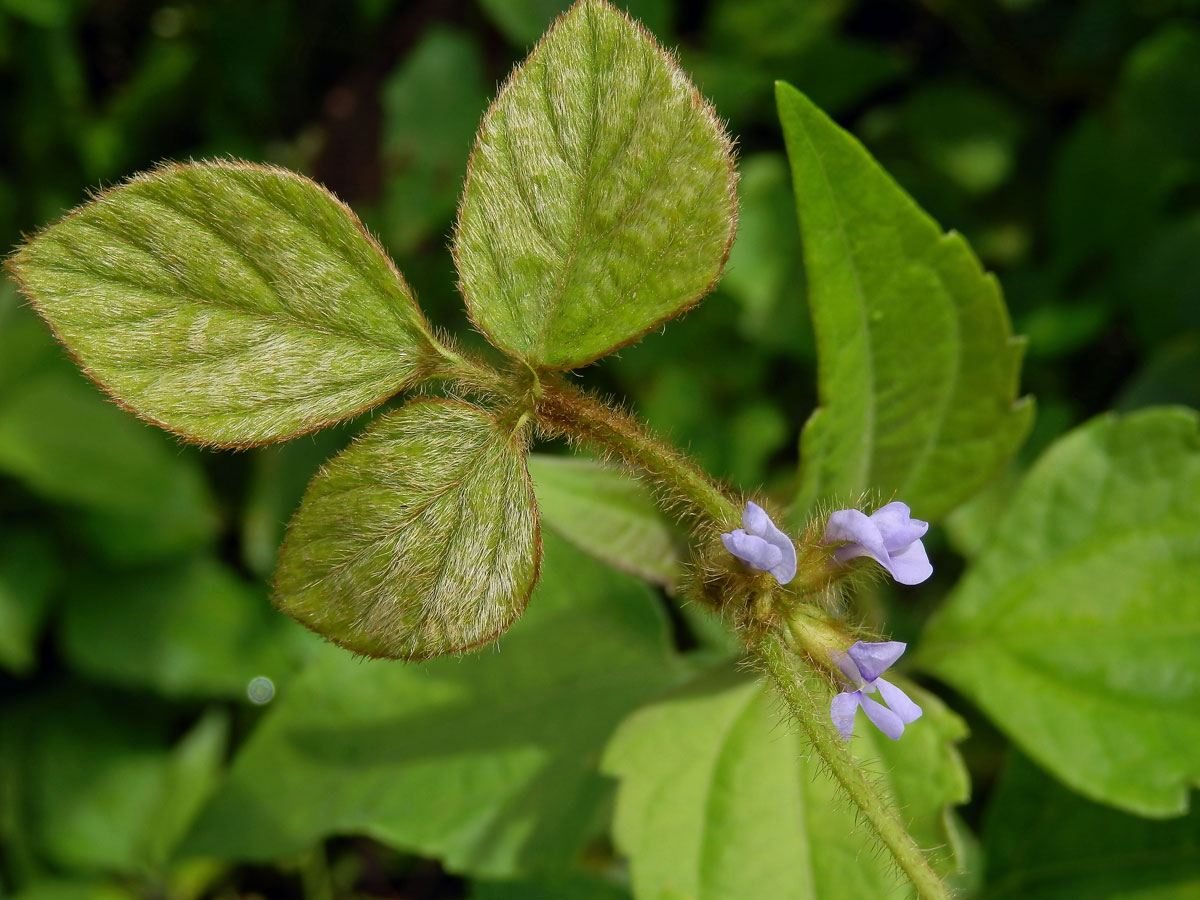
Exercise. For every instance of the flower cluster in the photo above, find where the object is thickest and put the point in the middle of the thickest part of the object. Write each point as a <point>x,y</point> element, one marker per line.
<point>891,537</point>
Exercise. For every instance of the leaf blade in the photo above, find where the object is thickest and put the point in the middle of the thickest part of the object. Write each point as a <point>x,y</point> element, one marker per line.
<point>420,539</point>
<point>231,303</point>
<point>367,747</point>
<point>932,383</point>
<point>546,240</point>
<point>1075,630</point>
<point>718,798</point>
<point>608,514</point>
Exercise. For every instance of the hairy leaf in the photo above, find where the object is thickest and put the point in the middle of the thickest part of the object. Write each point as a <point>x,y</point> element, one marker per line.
<point>599,198</point>
<point>607,513</point>
<point>720,798</point>
<point>487,762</point>
<point>1043,842</point>
<point>227,302</point>
<point>917,365</point>
<point>1078,629</point>
<point>420,539</point>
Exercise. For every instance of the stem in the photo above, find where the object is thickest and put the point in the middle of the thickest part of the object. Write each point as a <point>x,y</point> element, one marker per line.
<point>580,414</point>
<point>812,716</point>
<point>564,409</point>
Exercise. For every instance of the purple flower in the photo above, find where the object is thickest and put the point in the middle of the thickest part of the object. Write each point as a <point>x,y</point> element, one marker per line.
<point>890,536</point>
<point>861,667</point>
<point>761,545</point>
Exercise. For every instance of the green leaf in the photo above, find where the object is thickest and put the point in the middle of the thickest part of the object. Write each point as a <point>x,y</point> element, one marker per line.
<point>720,798</point>
<point>963,131</point>
<point>917,365</point>
<point>28,576</point>
<point>487,762</point>
<point>1159,91</point>
<point>420,539</point>
<point>227,302</point>
<point>765,274</point>
<point>1075,631</point>
<point>1043,842</point>
<point>103,785</point>
<point>608,514</point>
<point>431,105</point>
<point>599,198</point>
<point>279,475</point>
<point>137,496</point>
<point>189,629</point>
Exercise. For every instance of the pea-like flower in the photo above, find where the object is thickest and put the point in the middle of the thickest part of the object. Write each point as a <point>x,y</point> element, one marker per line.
<point>861,667</point>
<point>890,536</point>
<point>761,545</point>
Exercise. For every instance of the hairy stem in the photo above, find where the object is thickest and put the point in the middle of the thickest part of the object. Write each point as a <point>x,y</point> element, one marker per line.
<point>566,410</point>
<point>813,718</point>
<point>580,415</point>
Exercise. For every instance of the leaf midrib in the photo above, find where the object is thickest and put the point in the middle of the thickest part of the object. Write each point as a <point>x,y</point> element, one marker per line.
<point>864,315</point>
<point>286,317</point>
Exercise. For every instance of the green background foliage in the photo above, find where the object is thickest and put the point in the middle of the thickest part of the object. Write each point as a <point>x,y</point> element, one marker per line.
<point>1059,140</point>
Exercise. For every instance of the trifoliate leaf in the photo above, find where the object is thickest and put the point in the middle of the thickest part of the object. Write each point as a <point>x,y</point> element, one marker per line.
<point>419,539</point>
<point>230,303</point>
<point>599,198</point>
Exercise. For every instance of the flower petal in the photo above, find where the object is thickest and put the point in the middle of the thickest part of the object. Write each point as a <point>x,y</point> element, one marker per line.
<point>899,702</point>
<point>848,669</point>
<point>753,550</point>
<point>873,658</point>
<point>885,720</point>
<point>755,519</point>
<point>897,526</point>
<point>759,524</point>
<point>842,711</point>
<point>863,534</point>
<point>911,565</point>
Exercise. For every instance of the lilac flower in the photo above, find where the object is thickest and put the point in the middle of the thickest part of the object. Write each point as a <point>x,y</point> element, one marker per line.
<point>761,545</point>
<point>890,536</point>
<point>861,667</point>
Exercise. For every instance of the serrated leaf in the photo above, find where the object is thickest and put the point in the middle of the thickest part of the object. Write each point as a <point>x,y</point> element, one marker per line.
<point>1042,842</point>
<point>487,762</point>
<point>599,198</point>
<point>1075,630</point>
<point>230,303</point>
<point>917,374</point>
<point>719,797</point>
<point>608,514</point>
<point>420,539</point>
